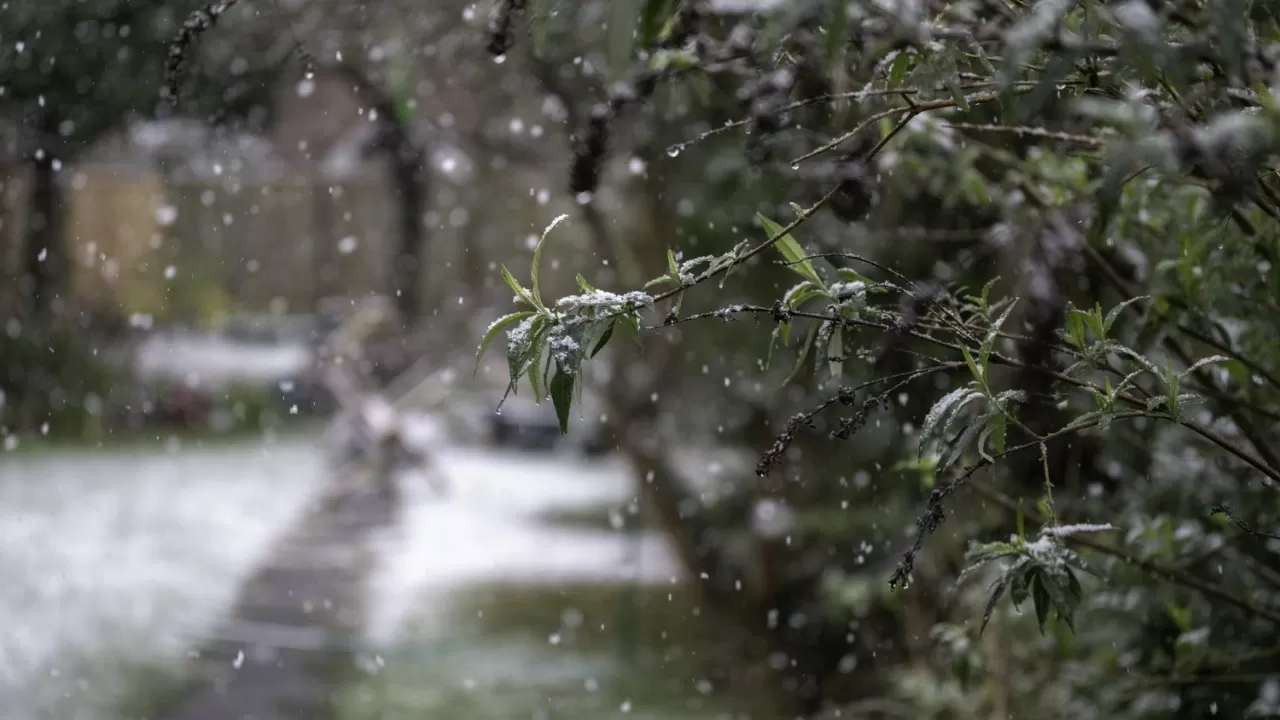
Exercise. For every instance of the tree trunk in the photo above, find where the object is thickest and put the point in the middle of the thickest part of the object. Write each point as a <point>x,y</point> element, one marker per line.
<point>409,184</point>
<point>44,252</point>
<point>410,189</point>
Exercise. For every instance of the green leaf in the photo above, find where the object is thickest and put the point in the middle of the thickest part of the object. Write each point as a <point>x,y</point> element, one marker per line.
<point>986,552</point>
<point>804,353</point>
<point>851,275</point>
<point>791,251</point>
<point>1140,359</point>
<point>537,257</point>
<point>994,332</point>
<point>1074,592</point>
<point>985,295</point>
<point>1083,319</point>
<point>583,285</point>
<point>1040,598</point>
<point>591,337</point>
<point>562,396</point>
<point>773,343</point>
<point>1114,313</point>
<point>517,352</point>
<point>1075,328</point>
<point>536,374</point>
<point>979,375</point>
<point>940,415</point>
<point>955,413</point>
<point>1239,372</point>
<point>1020,588</point>
<point>1181,616</point>
<point>632,321</point>
<point>604,340</point>
<point>1057,587</point>
<point>517,288</point>
<point>1095,322</point>
<point>1172,381</point>
<point>993,432</point>
<point>673,267</point>
<point>1202,362</point>
<point>987,65</point>
<point>958,448</point>
<point>545,369</point>
<point>653,16</point>
<point>802,293</point>
<point>498,326</point>
<point>899,67</point>
<point>577,392</point>
<point>822,347</point>
<point>997,591</point>
<point>520,350</point>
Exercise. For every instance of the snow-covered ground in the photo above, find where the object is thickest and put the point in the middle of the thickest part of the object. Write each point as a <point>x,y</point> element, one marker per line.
<point>489,529</point>
<point>113,558</point>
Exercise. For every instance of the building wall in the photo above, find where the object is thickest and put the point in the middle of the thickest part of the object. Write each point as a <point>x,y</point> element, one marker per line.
<point>176,249</point>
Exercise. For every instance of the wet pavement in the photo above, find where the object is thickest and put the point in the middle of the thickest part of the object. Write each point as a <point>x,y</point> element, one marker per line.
<point>285,646</point>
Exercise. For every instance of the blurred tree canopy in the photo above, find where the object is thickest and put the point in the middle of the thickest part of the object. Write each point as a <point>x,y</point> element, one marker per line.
<point>72,71</point>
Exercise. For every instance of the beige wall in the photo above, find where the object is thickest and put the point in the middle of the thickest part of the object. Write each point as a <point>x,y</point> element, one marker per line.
<point>126,227</point>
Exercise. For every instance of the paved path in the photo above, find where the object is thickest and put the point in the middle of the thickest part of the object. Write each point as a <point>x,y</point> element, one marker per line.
<point>284,650</point>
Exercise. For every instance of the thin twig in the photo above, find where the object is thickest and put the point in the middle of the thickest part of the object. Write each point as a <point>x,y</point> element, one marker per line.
<point>914,109</point>
<point>1000,359</point>
<point>1224,510</point>
<point>1027,132</point>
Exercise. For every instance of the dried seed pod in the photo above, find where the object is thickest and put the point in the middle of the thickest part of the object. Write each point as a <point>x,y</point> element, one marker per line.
<point>500,36</point>
<point>590,145</point>
<point>199,22</point>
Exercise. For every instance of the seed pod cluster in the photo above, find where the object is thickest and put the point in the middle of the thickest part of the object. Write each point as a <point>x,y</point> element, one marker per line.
<point>501,37</point>
<point>198,23</point>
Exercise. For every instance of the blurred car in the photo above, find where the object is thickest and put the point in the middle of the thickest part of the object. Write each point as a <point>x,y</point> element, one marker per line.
<point>274,353</point>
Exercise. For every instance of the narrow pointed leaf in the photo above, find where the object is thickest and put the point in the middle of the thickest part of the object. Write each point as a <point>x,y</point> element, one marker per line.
<point>537,257</point>
<point>498,326</point>
<point>1114,313</point>
<point>516,287</point>
<point>562,397</point>
<point>791,251</point>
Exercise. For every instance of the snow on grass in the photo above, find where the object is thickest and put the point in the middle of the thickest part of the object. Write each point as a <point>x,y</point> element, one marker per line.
<point>115,560</point>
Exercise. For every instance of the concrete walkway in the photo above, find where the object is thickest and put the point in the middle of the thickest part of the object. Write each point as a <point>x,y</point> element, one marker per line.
<point>284,650</point>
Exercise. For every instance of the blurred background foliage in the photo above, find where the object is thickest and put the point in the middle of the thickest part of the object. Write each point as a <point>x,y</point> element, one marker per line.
<point>1072,155</point>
